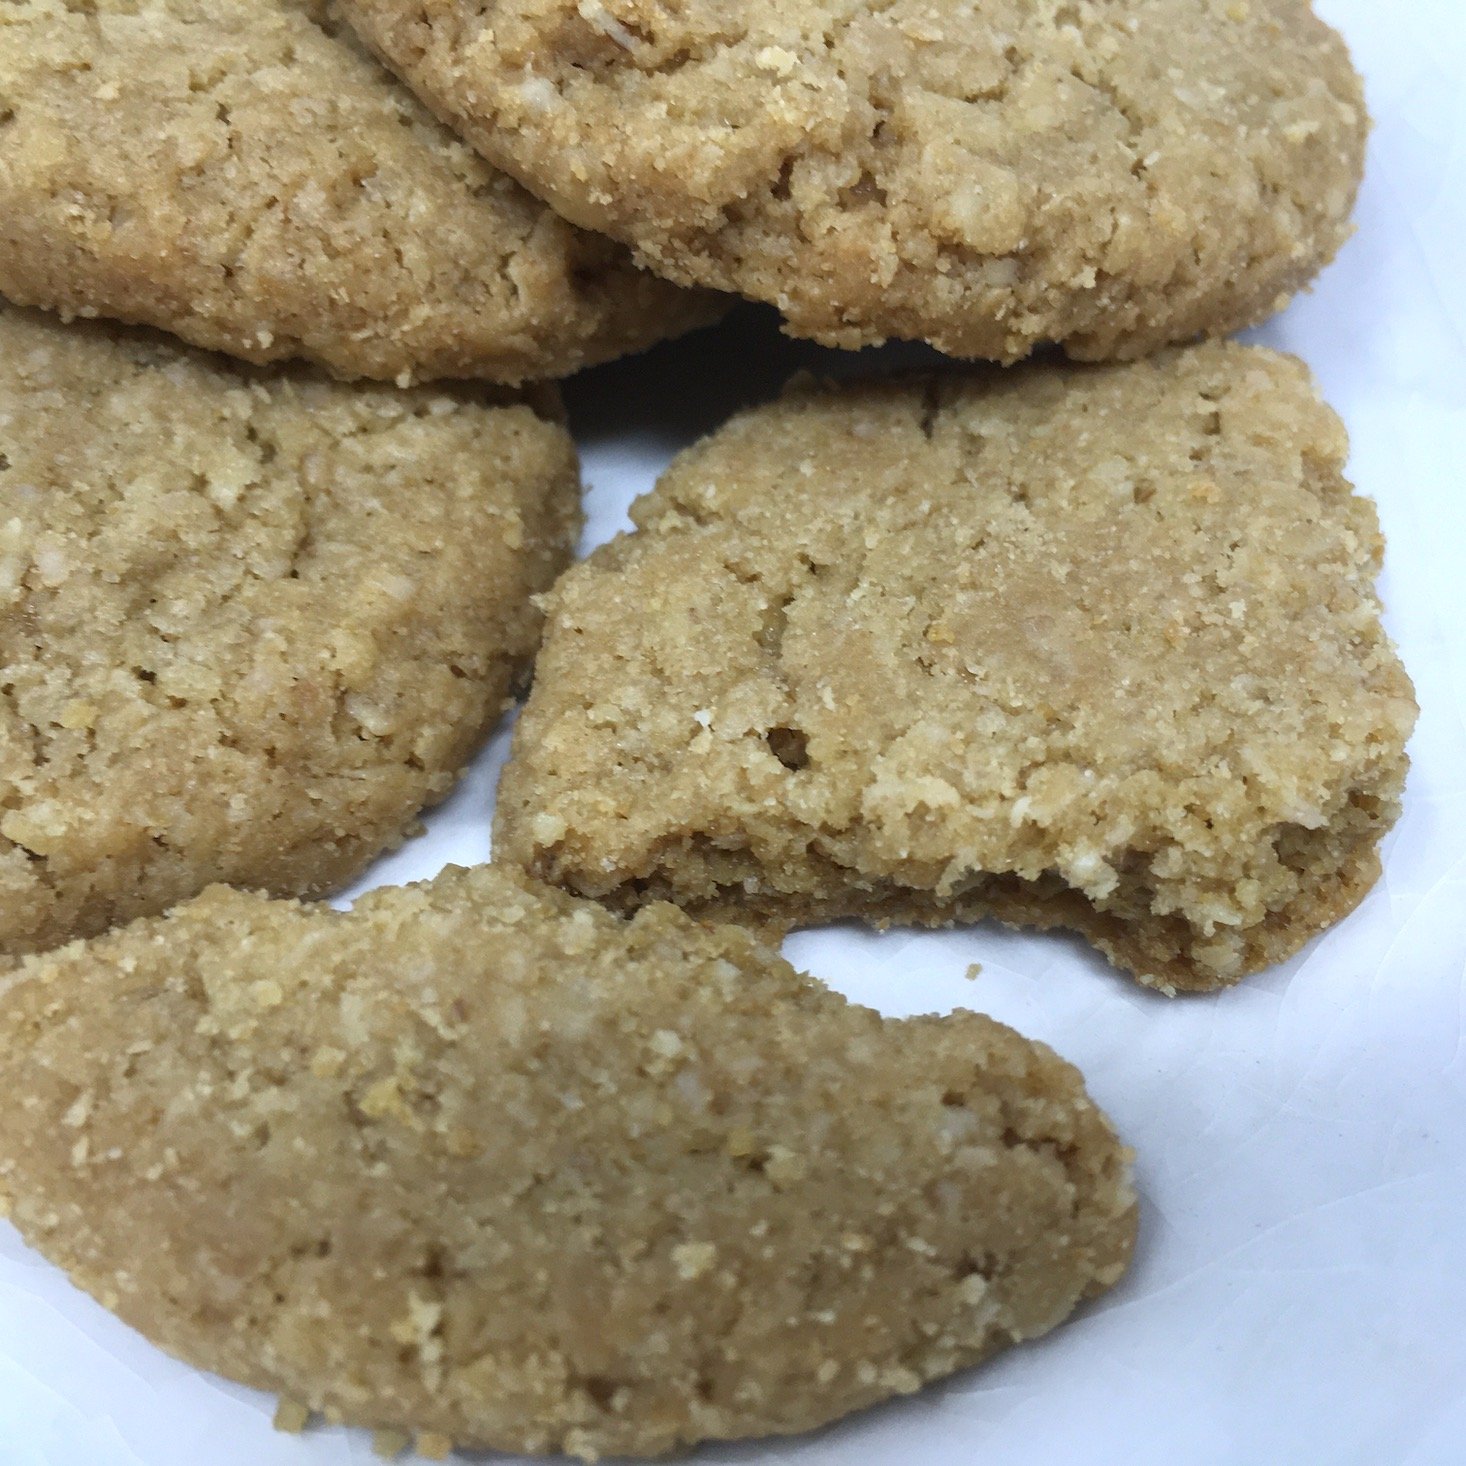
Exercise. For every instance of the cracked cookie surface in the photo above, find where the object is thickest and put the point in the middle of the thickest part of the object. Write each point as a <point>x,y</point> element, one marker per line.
<point>1086,647</point>
<point>238,173</point>
<point>987,177</point>
<point>482,1160</point>
<point>249,625</point>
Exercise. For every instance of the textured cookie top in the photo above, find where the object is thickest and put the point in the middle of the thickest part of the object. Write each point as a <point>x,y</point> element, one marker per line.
<point>1110,625</point>
<point>986,176</point>
<point>483,1160</point>
<point>248,626</point>
<point>237,174</point>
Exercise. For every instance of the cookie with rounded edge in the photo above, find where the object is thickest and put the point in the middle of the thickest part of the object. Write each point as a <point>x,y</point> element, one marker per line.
<point>1085,647</point>
<point>987,177</point>
<point>249,625</point>
<point>483,1161</point>
<point>243,176</point>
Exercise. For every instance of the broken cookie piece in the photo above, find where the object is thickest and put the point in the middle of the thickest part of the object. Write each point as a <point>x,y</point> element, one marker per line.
<point>250,625</point>
<point>243,174</point>
<point>1085,647</point>
<point>987,177</point>
<point>485,1163</point>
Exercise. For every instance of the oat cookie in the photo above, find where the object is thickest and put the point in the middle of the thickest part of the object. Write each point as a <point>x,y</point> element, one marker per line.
<point>485,1161</point>
<point>249,626</point>
<point>1084,647</point>
<point>238,174</point>
<point>1113,176</point>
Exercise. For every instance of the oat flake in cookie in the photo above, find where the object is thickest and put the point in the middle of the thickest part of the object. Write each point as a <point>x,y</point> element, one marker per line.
<point>1085,647</point>
<point>238,173</point>
<point>985,176</point>
<point>484,1161</point>
<point>249,625</point>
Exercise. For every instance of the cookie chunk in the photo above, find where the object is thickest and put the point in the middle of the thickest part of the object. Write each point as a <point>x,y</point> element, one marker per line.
<point>1110,176</point>
<point>237,173</point>
<point>248,626</point>
<point>1083,647</point>
<point>482,1160</point>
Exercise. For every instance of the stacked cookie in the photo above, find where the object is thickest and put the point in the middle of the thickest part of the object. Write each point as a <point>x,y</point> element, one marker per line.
<point>526,1156</point>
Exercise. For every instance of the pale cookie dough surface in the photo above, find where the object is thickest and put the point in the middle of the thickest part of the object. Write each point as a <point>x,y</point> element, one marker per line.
<point>237,173</point>
<point>482,1160</point>
<point>249,626</point>
<point>1112,176</point>
<point>1089,647</point>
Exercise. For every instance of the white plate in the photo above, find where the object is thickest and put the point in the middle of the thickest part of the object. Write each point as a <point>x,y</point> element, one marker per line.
<point>1300,1290</point>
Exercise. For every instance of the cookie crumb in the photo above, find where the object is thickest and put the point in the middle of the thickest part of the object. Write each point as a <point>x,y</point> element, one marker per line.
<point>693,1259</point>
<point>291,1417</point>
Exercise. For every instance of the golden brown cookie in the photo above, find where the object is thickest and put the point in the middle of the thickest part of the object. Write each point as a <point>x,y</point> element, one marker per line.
<point>482,1160</point>
<point>249,625</point>
<point>1085,647</point>
<point>237,173</point>
<point>1112,176</point>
